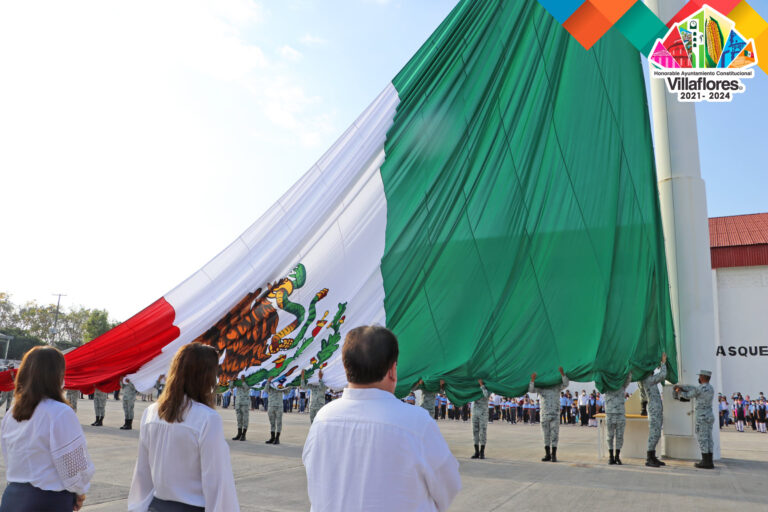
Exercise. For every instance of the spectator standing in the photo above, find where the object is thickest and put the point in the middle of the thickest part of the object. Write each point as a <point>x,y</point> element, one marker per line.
<point>183,463</point>
<point>583,402</point>
<point>370,451</point>
<point>47,463</point>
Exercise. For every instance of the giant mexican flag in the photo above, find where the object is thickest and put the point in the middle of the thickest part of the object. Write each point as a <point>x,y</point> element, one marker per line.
<point>495,206</point>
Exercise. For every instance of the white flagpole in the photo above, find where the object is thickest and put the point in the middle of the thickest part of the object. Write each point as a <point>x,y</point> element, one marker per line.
<point>683,203</point>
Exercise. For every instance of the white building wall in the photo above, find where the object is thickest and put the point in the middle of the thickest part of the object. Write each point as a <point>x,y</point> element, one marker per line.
<point>742,335</point>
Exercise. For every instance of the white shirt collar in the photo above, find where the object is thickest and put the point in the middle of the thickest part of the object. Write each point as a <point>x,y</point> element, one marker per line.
<point>366,394</point>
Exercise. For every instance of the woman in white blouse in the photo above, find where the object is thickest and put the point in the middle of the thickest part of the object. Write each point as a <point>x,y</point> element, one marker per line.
<point>47,461</point>
<point>183,462</point>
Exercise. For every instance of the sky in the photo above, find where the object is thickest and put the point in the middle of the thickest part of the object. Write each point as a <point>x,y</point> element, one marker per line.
<point>138,139</point>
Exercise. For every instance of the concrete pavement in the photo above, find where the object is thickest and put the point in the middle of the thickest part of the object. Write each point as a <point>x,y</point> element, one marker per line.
<point>271,478</point>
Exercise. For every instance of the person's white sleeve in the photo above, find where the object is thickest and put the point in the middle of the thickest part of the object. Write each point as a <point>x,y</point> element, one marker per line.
<point>441,469</point>
<point>218,481</point>
<point>142,489</point>
<point>70,453</point>
<point>532,387</point>
<point>565,382</point>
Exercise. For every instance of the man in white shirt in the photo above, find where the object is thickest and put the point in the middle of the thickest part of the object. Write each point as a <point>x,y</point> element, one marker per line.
<point>370,451</point>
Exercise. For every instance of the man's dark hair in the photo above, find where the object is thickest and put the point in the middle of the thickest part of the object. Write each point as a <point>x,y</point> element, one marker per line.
<point>368,353</point>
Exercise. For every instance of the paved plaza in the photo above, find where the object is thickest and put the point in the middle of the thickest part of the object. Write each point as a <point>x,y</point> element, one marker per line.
<point>271,478</point>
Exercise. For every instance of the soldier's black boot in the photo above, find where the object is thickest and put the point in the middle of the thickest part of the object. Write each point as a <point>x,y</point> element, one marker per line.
<point>702,462</point>
<point>242,436</point>
<point>277,438</point>
<point>548,456</point>
<point>125,425</point>
<point>482,451</point>
<point>554,454</point>
<point>95,423</point>
<point>650,460</point>
<point>659,462</point>
<point>477,452</point>
<point>644,412</point>
<point>617,459</point>
<point>710,462</point>
<point>239,434</point>
<point>611,460</point>
<point>271,440</point>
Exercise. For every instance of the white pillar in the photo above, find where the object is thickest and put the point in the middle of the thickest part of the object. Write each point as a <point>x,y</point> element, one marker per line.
<point>686,237</point>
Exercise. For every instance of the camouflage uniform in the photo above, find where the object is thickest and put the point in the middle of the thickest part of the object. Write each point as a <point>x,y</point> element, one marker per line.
<point>99,403</point>
<point>129,398</point>
<point>655,407</point>
<point>6,397</point>
<point>615,415</point>
<point>480,417</point>
<point>550,410</point>
<point>242,402</point>
<point>73,396</point>
<point>427,399</point>
<point>275,407</point>
<point>702,396</point>
<point>316,398</point>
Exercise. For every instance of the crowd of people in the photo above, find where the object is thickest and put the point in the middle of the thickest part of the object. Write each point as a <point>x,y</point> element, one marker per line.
<point>526,409</point>
<point>183,460</point>
<point>743,411</point>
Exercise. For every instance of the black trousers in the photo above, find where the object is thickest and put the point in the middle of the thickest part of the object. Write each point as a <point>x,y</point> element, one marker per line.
<point>583,414</point>
<point>28,498</point>
<point>159,505</point>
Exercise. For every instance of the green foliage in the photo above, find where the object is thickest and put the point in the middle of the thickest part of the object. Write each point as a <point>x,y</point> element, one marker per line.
<point>21,343</point>
<point>35,322</point>
<point>96,324</point>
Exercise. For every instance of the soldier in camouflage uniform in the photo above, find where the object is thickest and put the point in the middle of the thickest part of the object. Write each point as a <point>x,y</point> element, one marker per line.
<point>73,396</point>
<point>427,398</point>
<point>703,394</point>
<point>242,407</point>
<point>616,419</point>
<point>317,394</point>
<point>655,412</point>
<point>643,399</point>
<point>128,390</point>
<point>274,411</point>
<point>6,397</point>
<point>550,413</point>
<point>480,421</point>
<point>99,405</point>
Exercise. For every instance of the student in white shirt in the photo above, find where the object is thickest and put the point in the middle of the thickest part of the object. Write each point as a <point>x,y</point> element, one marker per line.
<point>370,451</point>
<point>46,458</point>
<point>183,463</point>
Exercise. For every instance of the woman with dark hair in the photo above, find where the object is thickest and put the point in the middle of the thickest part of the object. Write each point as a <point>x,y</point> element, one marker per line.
<point>47,463</point>
<point>183,462</point>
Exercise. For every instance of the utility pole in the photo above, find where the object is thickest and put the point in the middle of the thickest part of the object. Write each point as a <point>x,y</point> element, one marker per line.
<point>56,318</point>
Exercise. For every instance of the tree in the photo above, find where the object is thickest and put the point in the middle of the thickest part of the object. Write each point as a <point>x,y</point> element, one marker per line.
<point>96,325</point>
<point>7,311</point>
<point>72,326</point>
<point>38,320</point>
<point>20,344</point>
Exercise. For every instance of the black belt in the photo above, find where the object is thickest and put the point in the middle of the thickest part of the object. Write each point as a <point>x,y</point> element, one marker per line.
<point>159,505</point>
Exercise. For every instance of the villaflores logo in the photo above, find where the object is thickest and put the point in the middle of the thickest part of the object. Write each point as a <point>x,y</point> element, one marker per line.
<point>704,58</point>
